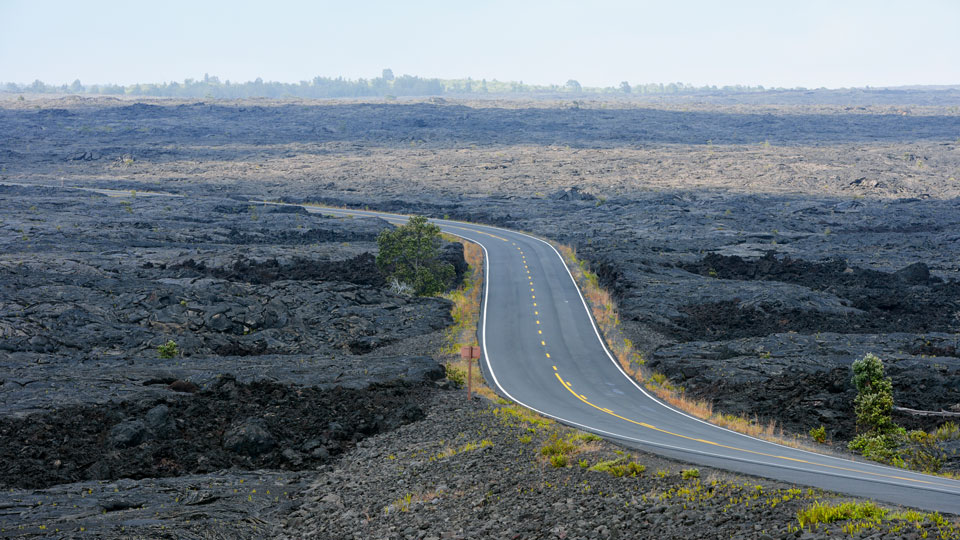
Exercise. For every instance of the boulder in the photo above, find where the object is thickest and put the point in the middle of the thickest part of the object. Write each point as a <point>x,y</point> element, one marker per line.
<point>160,422</point>
<point>572,194</point>
<point>127,434</point>
<point>249,437</point>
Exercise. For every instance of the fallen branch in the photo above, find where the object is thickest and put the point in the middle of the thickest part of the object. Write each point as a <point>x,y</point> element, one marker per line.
<point>915,412</point>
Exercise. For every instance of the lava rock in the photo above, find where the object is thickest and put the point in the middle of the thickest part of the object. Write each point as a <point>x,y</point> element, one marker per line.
<point>160,422</point>
<point>572,194</point>
<point>183,386</point>
<point>250,437</point>
<point>127,434</point>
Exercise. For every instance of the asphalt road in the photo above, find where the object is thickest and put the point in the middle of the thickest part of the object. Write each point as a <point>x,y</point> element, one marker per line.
<point>542,349</point>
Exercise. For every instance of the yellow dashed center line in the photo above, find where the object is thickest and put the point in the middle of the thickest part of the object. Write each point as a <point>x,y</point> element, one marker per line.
<point>544,343</point>
<point>568,386</point>
<point>479,232</point>
<point>539,331</point>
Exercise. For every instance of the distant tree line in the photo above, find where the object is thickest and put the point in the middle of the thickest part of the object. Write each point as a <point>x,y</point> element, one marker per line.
<point>386,85</point>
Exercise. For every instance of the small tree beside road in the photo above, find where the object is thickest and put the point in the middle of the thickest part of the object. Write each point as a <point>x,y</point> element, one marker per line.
<point>879,436</point>
<point>410,255</point>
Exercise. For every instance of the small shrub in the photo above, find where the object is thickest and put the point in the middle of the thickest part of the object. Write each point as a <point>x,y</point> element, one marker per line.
<point>559,461</point>
<point>557,446</point>
<point>819,434</point>
<point>604,466</point>
<point>618,469</point>
<point>687,474</point>
<point>828,513</point>
<point>168,350</point>
<point>882,448</point>
<point>516,413</point>
<point>456,375</point>
<point>947,432</point>
<point>402,289</point>
<point>587,437</point>
<point>584,464</point>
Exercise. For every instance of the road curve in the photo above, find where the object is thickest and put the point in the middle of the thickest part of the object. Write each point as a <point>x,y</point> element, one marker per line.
<point>542,349</point>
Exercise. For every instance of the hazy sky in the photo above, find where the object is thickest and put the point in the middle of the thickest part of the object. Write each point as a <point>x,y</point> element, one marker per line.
<point>808,43</point>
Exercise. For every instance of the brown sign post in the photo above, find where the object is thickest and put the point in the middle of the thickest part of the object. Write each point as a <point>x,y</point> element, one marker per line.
<point>470,354</point>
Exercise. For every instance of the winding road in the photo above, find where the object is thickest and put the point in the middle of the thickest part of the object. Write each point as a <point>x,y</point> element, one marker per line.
<point>542,349</point>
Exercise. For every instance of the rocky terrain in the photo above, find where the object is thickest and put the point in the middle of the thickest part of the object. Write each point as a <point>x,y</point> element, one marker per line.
<point>472,470</point>
<point>290,350</point>
<point>755,252</point>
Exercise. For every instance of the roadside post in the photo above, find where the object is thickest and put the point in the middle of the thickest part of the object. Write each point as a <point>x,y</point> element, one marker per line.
<point>470,354</point>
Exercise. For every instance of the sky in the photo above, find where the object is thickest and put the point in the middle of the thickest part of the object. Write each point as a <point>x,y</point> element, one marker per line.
<point>808,43</point>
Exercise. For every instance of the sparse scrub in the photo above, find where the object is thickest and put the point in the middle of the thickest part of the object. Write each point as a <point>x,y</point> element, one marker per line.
<point>828,513</point>
<point>618,468</point>
<point>456,374</point>
<point>557,446</point>
<point>819,434</point>
<point>168,350</point>
<point>466,313</point>
<point>512,414</point>
<point>688,474</point>
<point>604,312</point>
<point>867,515</point>
<point>468,447</point>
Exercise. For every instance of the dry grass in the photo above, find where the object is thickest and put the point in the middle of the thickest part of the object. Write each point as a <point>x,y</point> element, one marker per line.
<point>466,314</point>
<point>604,310</point>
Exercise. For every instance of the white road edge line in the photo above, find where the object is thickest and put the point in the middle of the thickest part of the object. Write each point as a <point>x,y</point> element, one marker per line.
<point>486,295</point>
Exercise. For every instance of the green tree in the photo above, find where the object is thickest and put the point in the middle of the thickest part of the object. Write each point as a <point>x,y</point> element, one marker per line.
<point>879,436</point>
<point>874,402</point>
<point>410,254</point>
<point>574,86</point>
<point>625,87</point>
